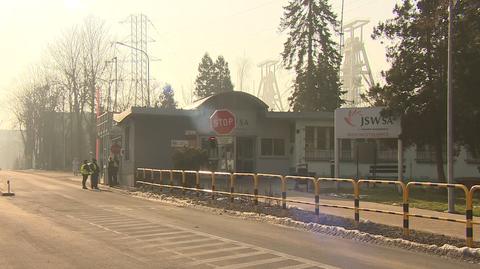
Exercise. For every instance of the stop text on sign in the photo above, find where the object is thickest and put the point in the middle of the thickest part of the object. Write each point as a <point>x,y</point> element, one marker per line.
<point>223,121</point>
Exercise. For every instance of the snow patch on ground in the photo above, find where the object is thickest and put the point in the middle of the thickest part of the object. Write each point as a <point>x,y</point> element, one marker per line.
<point>446,250</point>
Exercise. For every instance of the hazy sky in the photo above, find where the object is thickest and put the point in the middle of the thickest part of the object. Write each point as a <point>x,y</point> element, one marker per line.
<point>184,31</point>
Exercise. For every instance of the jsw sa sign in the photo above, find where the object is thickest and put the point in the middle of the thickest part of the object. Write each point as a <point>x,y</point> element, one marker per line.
<point>365,122</point>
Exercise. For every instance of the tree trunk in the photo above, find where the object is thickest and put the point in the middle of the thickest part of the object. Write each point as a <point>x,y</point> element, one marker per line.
<point>439,160</point>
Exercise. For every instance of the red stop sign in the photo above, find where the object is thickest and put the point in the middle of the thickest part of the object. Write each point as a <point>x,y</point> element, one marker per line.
<point>222,121</point>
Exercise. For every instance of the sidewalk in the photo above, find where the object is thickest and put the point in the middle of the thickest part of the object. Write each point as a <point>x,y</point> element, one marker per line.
<point>434,226</point>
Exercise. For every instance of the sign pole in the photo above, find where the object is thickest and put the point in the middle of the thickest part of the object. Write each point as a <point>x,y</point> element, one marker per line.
<point>400,159</point>
<point>336,157</point>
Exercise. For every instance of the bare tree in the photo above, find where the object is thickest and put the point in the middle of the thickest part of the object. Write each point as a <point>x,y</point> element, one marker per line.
<point>243,71</point>
<point>66,54</point>
<point>34,107</point>
<point>95,53</point>
<point>124,100</point>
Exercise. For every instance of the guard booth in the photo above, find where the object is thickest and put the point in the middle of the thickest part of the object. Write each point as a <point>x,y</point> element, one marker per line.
<point>366,126</point>
<point>246,137</point>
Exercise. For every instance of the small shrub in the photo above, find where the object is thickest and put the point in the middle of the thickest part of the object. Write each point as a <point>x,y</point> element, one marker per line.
<point>189,159</point>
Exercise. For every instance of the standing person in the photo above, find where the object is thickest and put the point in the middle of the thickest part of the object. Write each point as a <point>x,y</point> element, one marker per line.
<point>95,172</point>
<point>112,171</point>
<point>85,171</point>
<point>115,170</point>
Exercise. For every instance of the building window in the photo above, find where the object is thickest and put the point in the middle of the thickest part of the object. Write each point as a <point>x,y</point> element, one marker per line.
<point>346,152</point>
<point>319,143</point>
<point>473,156</point>
<point>426,154</point>
<point>272,147</point>
<point>387,150</point>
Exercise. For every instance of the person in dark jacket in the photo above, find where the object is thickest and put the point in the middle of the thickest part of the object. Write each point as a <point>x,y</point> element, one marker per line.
<point>95,172</point>
<point>112,171</point>
<point>85,171</point>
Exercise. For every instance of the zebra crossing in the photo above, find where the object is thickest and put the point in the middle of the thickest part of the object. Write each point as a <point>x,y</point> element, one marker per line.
<point>191,248</point>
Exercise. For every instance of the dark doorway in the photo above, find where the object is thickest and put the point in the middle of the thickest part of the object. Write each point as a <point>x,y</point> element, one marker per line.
<point>245,154</point>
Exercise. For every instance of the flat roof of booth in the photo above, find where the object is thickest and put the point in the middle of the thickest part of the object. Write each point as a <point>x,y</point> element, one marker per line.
<point>192,109</point>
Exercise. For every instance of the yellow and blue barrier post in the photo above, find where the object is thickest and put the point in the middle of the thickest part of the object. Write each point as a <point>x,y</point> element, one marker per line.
<point>213,185</point>
<point>171,179</point>
<point>469,215</point>
<point>232,189</point>
<point>284,193</point>
<point>197,183</point>
<point>469,219</point>
<point>316,184</point>
<point>255,189</point>
<point>406,209</point>
<point>160,179</point>
<point>184,182</point>
<point>356,202</point>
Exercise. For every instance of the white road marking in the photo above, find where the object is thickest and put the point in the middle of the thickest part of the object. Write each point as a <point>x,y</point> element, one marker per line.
<point>253,263</point>
<point>187,239</point>
<point>156,234</point>
<point>298,266</point>
<point>226,257</point>
<point>212,251</point>
<point>199,246</point>
<point>176,243</point>
<point>148,232</point>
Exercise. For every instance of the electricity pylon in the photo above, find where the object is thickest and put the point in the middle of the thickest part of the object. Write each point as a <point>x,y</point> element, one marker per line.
<point>355,72</point>
<point>268,88</point>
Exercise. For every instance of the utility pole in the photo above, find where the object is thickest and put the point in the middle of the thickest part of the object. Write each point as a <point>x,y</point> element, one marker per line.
<point>341,30</point>
<point>116,85</point>
<point>148,73</point>
<point>451,191</point>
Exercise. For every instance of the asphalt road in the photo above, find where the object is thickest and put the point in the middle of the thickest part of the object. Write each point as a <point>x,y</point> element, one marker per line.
<point>52,223</point>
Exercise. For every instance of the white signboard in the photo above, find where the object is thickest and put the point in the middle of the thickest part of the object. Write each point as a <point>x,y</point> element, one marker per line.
<point>179,143</point>
<point>365,122</point>
<point>224,140</point>
<point>190,132</point>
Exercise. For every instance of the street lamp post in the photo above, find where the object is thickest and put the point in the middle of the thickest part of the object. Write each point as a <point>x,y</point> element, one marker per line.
<point>451,194</point>
<point>114,60</point>
<point>148,68</point>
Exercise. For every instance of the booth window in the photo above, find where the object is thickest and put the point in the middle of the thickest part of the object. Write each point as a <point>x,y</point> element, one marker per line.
<point>319,143</point>
<point>427,154</point>
<point>272,147</point>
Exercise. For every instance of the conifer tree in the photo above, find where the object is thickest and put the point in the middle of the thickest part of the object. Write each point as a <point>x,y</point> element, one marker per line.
<point>223,82</point>
<point>312,53</point>
<point>166,98</point>
<point>416,83</point>
<point>212,77</point>
<point>204,84</point>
